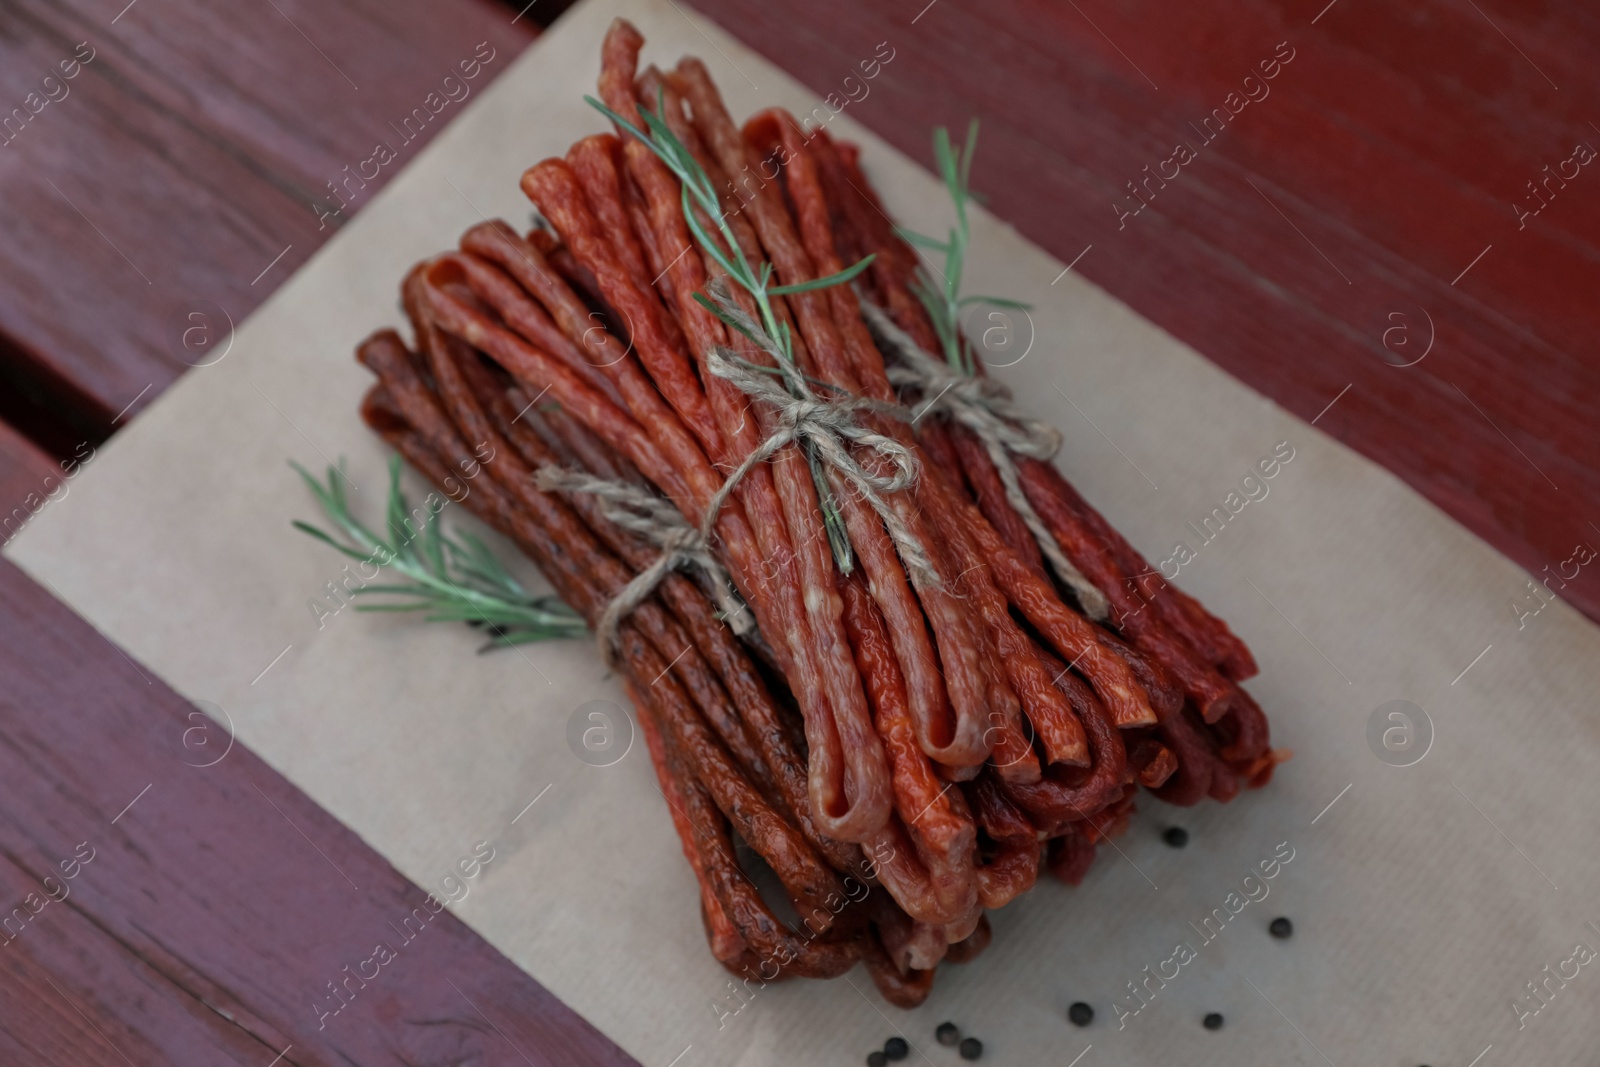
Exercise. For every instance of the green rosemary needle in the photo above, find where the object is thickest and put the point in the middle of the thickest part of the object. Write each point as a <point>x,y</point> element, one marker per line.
<point>944,303</point>
<point>450,578</point>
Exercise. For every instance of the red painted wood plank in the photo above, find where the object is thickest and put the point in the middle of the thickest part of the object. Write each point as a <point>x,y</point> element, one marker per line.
<point>217,902</point>
<point>1386,157</point>
<point>179,170</point>
<point>28,481</point>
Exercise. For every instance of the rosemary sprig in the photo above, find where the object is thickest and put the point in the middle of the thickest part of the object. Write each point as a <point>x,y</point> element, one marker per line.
<point>700,198</point>
<point>945,303</point>
<point>452,579</point>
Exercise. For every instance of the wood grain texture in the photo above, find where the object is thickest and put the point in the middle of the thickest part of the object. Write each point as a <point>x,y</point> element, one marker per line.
<point>27,478</point>
<point>219,901</point>
<point>1386,157</point>
<point>182,160</point>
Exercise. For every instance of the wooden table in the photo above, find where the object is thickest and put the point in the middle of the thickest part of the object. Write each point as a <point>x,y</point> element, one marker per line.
<point>1355,237</point>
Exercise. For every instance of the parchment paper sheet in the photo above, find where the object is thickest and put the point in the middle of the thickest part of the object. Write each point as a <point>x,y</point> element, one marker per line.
<point>1423,899</point>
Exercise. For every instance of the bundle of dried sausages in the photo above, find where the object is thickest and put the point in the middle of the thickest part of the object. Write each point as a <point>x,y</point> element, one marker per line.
<point>950,661</point>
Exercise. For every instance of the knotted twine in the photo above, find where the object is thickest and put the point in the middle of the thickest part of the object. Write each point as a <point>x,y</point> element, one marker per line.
<point>985,407</point>
<point>825,426</point>
<point>655,519</point>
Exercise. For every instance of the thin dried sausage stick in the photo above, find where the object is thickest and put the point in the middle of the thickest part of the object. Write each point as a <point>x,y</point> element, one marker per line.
<point>944,836</point>
<point>553,295</point>
<point>544,373</point>
<point>1151,762</point>
<point>1053,720</point>
<point>1015,866</point>
<point>990,493</point>
<point>1047,709</point>
<point>1052,800</point>
<point>1245,729</point>
<point>853,197</point>
<point>1192,780</point>
<point>953,740</point>
<point>1071,856</point>
<point>812,217</point>
<point>1183,612</point>
<point>810,882</point>
<point>555,189</point>
<point>973,944</point>
<point>918,946</point>
<point>1143,626</point>
<point>727,944</point>
<point>962,645</point>
<point>594,161</point>
<point>499,244</point>
<point>903,990</point>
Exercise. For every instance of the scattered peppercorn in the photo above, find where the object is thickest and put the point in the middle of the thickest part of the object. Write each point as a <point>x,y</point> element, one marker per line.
<point>896,1048</point>
<point>1281,927</point>
<point>948,1034</point>
<point>1176,836</point>
<point>1080,1014</point>
<point>877,1059</point>
<point>1212,1021</point>
<point>971,1048</point>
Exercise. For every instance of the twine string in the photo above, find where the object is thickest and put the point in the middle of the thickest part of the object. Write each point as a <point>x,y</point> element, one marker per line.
<point>655,519</point>
<point>985,407</point>
<point>827,426</point>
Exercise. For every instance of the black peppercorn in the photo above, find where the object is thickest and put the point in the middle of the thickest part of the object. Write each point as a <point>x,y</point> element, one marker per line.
<point>971,1048</point>
<point>948,1034</point>
<point>1080,1014</point>
<point>1281,927</point>
<point>1176,836</point>
<point>1212,1021</point>
<point>877,1059</point>
<point>896,1048</point>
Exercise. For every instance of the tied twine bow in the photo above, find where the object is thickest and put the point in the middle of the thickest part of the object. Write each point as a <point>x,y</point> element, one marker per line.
<point>985,407</point>
<point>656,520</point>
<point>824,428</point>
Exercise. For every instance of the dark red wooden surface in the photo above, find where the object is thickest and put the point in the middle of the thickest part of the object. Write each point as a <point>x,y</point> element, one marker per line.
<point>27,477</point>
<point>180,162</point>
<point>1384,160</point>
<point>218,901</point>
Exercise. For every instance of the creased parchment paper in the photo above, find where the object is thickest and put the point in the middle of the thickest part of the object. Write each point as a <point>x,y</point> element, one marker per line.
<point>1423,899</point>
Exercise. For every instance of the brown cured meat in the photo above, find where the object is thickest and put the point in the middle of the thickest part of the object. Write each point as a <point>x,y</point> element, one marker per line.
<point>772,836</point>
<point>738,900</point>
<point>1182,611</point>
<point>898,751</point>
<point>1209,690</point>
<point>843,745</point>
<point>959,643</point>
<point>980,475</point>
<point>942,837</point>
<point>1015,865</point>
